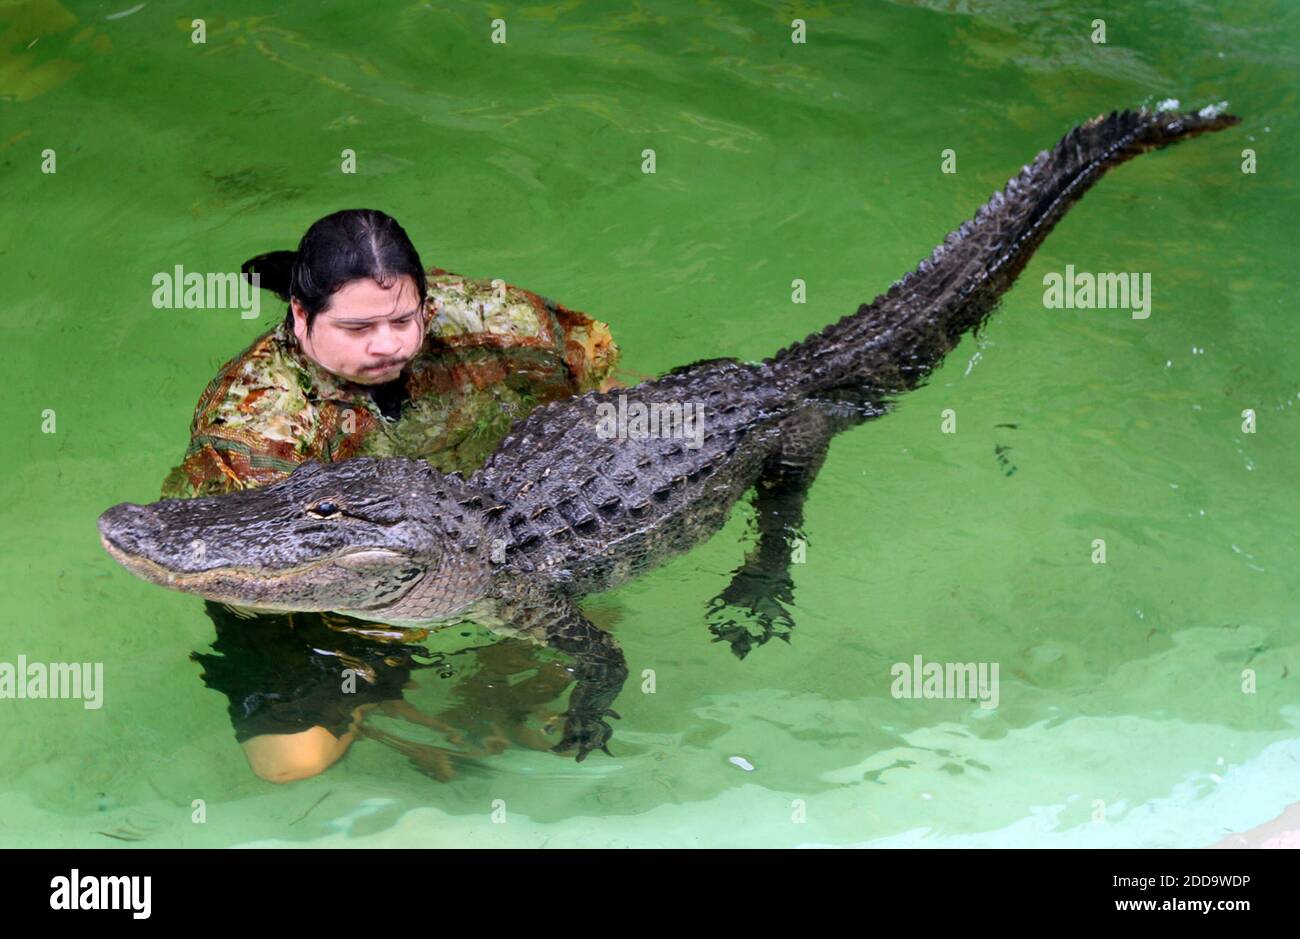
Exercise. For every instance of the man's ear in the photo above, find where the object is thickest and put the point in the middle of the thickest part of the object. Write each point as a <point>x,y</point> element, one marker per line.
<point>299,320</point>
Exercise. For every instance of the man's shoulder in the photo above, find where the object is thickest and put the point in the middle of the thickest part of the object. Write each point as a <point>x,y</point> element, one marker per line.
<point>479,309</point>
<point>262,356</point>
<point>496,319</point>
<point>260,390</point>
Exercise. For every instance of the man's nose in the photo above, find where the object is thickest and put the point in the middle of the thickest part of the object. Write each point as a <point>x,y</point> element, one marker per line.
<point>385,341</point>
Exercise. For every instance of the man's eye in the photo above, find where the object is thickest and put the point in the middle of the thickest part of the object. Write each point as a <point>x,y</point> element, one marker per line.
<point>323,510</point>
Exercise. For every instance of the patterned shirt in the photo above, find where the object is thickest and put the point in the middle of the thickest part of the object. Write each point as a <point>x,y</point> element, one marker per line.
<point>491,353</point>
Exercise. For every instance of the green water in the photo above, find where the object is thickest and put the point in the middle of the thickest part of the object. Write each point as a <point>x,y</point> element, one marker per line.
<point>1122,718</point>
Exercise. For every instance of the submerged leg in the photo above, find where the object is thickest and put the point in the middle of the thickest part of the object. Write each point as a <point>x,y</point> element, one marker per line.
<point>754,607</point>
<point>599,670</point>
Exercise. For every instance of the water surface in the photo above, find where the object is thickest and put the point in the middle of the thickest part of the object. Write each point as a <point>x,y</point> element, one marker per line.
<point>1121,717</point>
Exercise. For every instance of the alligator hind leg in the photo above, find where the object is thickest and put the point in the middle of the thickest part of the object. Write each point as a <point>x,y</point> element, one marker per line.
<point>754,607</point>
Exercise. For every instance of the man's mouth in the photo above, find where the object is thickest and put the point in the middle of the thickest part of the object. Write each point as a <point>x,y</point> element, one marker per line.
<point>386,367</point>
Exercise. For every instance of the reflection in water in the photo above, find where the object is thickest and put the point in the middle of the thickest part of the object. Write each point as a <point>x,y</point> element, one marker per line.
<point>301,684</point>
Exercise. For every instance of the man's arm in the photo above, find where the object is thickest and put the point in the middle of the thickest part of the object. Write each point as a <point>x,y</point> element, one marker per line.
<point>590,352</point>
<point>470,312</point>
<point>215,465</point>
<point>203,472</point>
<point>252,427</point>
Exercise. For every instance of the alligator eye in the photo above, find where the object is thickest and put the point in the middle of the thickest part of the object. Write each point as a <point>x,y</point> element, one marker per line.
<point>325,509</point>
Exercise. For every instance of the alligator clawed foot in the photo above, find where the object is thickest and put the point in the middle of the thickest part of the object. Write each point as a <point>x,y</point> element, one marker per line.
<point>751,611</point>
<point>587,732</point>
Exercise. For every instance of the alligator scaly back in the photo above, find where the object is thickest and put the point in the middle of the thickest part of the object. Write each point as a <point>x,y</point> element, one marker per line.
<point>891,344</point>
<point>567,496</point>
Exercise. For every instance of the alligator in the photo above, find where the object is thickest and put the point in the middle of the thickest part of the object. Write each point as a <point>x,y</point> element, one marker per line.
<point>562,509</point>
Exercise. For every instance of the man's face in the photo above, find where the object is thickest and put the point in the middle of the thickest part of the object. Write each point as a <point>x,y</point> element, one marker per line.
<point>369,332</point>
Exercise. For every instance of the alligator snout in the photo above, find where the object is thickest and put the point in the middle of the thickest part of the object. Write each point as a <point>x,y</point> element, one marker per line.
<point>125,528</point>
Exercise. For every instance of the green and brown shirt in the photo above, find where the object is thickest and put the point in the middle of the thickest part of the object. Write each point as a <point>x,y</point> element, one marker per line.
<point>491,353</point>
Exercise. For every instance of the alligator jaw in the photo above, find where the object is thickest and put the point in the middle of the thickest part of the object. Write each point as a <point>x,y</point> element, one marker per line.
<point>221,584</point>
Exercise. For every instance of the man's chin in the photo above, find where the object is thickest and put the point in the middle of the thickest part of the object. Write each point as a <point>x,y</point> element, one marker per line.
<point>368,377</point>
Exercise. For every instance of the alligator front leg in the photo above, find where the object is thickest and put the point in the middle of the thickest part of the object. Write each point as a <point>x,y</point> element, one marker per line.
<point>762,590</point>
<point>599,669</point>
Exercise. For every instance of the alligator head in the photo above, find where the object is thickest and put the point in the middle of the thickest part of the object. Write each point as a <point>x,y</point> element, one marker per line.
<point>386,540</point>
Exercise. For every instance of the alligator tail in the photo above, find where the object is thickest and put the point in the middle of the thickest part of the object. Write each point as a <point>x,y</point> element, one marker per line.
<point>891,344</point>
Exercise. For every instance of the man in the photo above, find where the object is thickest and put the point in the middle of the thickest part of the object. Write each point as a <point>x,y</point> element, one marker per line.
<point>375,357</point>
<point>379,374</point>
